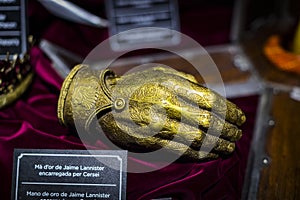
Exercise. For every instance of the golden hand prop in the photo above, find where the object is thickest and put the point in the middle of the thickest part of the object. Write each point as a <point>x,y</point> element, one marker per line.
<point>151,109</point>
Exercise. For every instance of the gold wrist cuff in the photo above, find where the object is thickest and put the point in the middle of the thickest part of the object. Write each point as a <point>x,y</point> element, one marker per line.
<point>84,95</point>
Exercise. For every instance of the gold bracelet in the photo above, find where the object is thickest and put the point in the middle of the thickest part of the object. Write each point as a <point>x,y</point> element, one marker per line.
<point>15,77</point>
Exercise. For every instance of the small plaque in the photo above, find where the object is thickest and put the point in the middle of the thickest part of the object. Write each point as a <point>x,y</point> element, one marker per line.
<point>13,27</point>
<point>133,16</point>
<point>69,175</point>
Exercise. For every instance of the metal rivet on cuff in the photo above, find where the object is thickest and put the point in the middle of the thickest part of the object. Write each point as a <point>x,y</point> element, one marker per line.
<point>119,104</point>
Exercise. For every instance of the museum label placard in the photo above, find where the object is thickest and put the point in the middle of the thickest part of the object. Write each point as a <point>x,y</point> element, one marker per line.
<point>69,175</point>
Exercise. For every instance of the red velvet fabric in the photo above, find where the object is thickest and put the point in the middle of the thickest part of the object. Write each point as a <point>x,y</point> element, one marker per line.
<point>31,122</point>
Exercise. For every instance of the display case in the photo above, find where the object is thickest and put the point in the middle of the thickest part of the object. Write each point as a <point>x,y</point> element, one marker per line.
<point>231,34</point>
